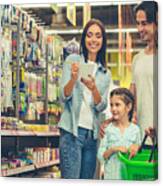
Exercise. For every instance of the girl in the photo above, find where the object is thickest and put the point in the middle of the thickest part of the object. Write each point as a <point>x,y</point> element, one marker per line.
<point>121,135</point>
<point>84,99</point>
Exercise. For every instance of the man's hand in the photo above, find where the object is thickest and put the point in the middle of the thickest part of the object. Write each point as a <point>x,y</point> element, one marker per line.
<point>134,117</point>
<point>150,132</point>
<point>103,126</point>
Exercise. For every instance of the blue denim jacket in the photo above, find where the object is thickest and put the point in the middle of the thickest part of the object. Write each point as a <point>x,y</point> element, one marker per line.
<point>72,104</point>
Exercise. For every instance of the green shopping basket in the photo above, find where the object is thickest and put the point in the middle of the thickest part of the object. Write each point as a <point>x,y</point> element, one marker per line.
<point>144,166</point>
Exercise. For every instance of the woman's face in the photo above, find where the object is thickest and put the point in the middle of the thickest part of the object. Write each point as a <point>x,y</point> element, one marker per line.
<point>94,39</point>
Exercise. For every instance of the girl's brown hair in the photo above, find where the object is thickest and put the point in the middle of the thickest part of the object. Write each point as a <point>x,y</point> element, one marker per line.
<point>127,97</point>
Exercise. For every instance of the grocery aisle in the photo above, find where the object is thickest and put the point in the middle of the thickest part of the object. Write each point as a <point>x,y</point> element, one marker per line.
<point>32,53</point>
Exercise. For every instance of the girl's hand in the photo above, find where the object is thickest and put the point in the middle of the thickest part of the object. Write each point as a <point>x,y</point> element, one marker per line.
<point>113,150</point>
<point>89,83</point>
<point>107,153</point>
<point>122,149</point>
<point>133,149</point>
<point>74,71</point>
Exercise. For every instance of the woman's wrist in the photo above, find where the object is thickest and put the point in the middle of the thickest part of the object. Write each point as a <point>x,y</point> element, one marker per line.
<point>96,95</point>
<point>69,87</point>
<point>93,89</point>
<point>73,80</point>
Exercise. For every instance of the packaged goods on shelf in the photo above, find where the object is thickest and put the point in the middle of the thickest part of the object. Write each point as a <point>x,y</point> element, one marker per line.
<point>13,163</point>
<point>6,70</point>
<point>11,123</point>
<point>37,156</point>
<point>52,172</point>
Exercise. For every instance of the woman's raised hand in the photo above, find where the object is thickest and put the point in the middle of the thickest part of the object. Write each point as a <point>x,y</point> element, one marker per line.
<point>74,71</point>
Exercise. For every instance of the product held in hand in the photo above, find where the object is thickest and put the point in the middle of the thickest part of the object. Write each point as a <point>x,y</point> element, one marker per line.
<point>85,70</point>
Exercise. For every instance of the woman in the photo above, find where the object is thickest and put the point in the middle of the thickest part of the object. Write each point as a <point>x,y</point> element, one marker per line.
<point>84,100</point>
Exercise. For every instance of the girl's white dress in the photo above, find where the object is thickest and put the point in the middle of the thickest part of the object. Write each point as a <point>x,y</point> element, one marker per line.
<point>113,137</point>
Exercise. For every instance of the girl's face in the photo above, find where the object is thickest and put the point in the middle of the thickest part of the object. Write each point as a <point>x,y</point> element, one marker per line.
<point>94,39</point>
<point>118,108</point>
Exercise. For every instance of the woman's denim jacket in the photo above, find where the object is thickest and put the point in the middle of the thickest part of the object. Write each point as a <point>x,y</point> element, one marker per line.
<point>72,104</point>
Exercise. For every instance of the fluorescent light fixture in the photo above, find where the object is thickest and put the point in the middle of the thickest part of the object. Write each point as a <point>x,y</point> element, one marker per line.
<point>33,5</point>
<point>79,31</point>
<point>39,24</point>
<point>115,50</point>
<point>72,31</point>
<point>114,64</point>
<point>123,30</point>
<point>98,3</point>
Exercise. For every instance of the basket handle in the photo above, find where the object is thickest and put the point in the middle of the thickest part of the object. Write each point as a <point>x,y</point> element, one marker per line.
<point>152,147</point>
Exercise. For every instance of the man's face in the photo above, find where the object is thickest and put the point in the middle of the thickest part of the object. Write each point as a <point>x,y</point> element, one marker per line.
<point>146,30</point>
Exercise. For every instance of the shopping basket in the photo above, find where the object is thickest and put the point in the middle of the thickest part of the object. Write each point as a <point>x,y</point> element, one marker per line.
<point>144,166</point>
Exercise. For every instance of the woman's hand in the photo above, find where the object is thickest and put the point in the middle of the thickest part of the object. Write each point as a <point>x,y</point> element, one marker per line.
<point>74,76</point>
<point>89,83</point>
<point>74,71</point>
<point>133,149</point>
<point>103,126</point>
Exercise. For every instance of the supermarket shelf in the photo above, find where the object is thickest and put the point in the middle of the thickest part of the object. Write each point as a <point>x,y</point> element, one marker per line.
<point>42,165</point>
<point>18,170</point>
<point>16,133</point>
<point>56,133</point>
<point>28,168</point>
<point>28,133</point>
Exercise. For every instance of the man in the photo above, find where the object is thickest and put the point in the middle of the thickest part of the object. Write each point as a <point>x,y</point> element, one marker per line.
<point>144,81</point>
<point>144,69</point>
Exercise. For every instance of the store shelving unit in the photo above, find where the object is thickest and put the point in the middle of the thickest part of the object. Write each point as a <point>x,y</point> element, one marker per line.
<point>29,168</point>
<point>19,170</point>
<point>29,133</point>
<point>15,140</point>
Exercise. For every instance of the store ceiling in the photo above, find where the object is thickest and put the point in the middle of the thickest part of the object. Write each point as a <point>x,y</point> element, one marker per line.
<point>46,17</point>
<point>107,14</point>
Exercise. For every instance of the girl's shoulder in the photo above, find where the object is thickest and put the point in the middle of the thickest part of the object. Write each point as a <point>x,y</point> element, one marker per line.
<point>110,127</point>
<point>134,126</point>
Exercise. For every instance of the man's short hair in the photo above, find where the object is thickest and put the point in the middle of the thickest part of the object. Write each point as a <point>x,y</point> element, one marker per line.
<point>151,10</point>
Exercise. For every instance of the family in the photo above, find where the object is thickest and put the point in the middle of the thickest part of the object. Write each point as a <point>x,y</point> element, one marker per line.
<point>84,100</point>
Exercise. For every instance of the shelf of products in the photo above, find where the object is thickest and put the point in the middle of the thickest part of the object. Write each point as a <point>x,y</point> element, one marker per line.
<point>20,170</point>
<point>30,111</point>
<point>29,160</point>
<point>11,126</point>
<point>28,133</point>
<point>42,165</point>
<point>16,171</point>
